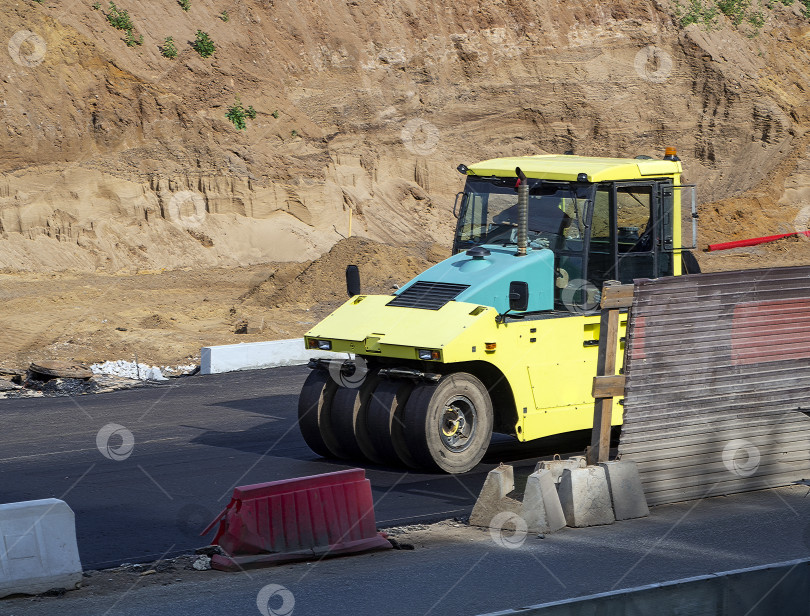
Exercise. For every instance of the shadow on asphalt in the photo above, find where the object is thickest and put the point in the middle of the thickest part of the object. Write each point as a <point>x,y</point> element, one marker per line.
<point>401,495</point>
<point>265,405</point>
<point>285,439</point>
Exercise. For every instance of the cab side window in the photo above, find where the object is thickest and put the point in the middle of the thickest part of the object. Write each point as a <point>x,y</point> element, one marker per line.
<point>601,261</point>
<point>634,218</point>
<point>635,233</point>
<point>473,218</point>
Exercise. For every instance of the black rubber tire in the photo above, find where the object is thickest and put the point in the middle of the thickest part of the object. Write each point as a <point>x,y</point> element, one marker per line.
<point>384,421</point>
<point>689,264</point>
<point>424,418</point>
<point>314,404</point>
<point>348,414</point>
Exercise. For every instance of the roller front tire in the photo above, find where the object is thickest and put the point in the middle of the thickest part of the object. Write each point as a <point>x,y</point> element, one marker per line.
<point>449,425</point>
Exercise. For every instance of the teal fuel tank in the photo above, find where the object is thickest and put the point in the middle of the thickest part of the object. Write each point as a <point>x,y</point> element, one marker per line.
<point>482,276</point>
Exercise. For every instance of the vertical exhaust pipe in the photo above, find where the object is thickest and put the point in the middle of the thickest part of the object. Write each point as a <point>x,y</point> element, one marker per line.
<point>523,213</point>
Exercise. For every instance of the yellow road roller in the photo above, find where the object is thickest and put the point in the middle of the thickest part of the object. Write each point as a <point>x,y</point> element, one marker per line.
<point>503,335</point>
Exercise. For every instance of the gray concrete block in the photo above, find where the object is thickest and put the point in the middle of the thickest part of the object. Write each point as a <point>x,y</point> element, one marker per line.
<point>542,510</point>
<point>626,491</point>
<point>585,497</point>
<point>557,465</point>
<point>493,500</point>
<point>581,460</point>
<point>38,548</point>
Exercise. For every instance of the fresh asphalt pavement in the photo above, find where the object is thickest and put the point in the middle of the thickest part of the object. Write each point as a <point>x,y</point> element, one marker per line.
<point>193,440</point>
<point>198,437</point>
<point>476,573</point>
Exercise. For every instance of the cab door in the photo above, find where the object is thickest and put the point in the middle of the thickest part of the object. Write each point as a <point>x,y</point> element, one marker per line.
<point>631,233</point>
<point>637,234</point>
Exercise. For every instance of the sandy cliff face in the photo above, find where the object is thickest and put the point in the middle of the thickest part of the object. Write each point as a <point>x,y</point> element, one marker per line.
<point>116,158</point>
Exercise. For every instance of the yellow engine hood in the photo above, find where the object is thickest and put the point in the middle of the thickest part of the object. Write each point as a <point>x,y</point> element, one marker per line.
<point>364,324</point>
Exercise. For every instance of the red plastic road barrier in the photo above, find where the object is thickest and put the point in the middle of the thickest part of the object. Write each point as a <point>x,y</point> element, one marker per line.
<point>297,519</point>
<point>754,241</point>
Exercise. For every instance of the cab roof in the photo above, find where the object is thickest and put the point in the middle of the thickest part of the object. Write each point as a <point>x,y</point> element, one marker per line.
<point>567,168</point>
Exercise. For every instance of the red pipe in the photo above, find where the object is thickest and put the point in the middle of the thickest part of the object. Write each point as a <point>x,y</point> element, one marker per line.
<point>755,241</point>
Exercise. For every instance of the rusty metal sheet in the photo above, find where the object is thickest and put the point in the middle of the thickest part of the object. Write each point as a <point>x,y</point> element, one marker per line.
<point>717,390</point>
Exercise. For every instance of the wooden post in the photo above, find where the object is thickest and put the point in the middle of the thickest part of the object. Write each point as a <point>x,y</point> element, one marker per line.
<point>607,384</point>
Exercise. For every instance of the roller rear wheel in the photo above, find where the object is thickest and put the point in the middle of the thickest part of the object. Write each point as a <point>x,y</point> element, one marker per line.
<point>348,414</point>
<point>314,420</point>
<point>449,425</point>
<point>384,420</point>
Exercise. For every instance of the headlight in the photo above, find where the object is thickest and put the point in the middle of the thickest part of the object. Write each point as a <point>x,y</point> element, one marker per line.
<point>323,345</point>
<point>428,355</point>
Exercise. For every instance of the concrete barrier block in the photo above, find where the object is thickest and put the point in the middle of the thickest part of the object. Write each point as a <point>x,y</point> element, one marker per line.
<point>585,497</point>
<point>581,461</point>
<point>258,355</point>
<point>626,491</point>
<point>542,510</point>
<point>557,465</point>
<point>493,497</point>
<point>38,550</point>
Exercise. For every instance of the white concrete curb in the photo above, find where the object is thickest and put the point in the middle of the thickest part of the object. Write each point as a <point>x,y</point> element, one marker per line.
<point>38,550</point>
<point>257,355</point>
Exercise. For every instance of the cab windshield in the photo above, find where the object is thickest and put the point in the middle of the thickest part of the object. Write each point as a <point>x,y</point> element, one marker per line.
<point>489,214</point>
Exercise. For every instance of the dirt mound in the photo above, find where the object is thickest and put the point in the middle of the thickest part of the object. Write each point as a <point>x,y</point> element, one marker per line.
<point>116,158</point>
<point>117,163</point>
<point>383,269</point>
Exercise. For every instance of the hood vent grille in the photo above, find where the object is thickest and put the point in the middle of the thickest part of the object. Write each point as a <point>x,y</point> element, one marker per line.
<point>428,295</point>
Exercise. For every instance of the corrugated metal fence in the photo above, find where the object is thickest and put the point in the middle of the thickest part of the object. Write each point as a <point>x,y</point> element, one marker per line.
<point>718,383</point>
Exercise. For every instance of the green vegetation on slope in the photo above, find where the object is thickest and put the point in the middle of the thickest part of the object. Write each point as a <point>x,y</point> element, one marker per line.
<point>753,12</point>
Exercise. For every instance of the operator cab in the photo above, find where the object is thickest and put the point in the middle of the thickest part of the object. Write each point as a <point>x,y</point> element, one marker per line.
<point>599,229</point>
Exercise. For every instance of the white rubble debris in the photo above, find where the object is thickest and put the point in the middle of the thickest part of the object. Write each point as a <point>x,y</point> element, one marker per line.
<point>203,563</point>
<point>181,369</point>
<point>144,372</point>
<point>129,370</point>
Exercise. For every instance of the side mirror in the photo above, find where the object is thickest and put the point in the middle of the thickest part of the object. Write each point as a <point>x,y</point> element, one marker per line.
<point>518,296</point>
<point>352,280</point>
